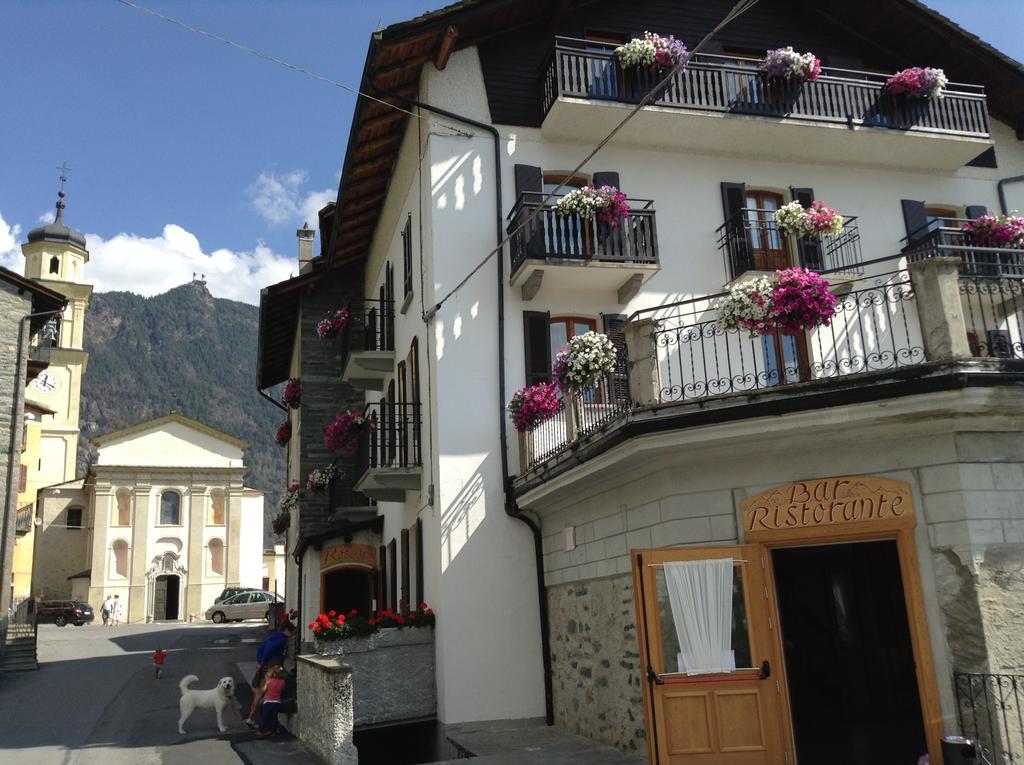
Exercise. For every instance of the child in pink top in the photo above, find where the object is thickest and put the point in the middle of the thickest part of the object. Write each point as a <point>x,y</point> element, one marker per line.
<point>273,688</point>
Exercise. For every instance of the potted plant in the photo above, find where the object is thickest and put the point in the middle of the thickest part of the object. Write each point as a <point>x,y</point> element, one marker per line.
<point>586,360</point>
<point>607,204</point>
<point>292,395</point>
<point>331,630</point>
<point>281,522</point>
<point>344,432</point>
<point>652,50</point>
<point>333,324</point>
<point>747,306</point>
<point>995,231</point>
<point>917,82</point>
<point>796,301</point>
<point>319,479</point>
<point>284,433</point>
<point>819,218</point>
<point>531,406</point>
<point>290,498</point>
<point>785,71</point>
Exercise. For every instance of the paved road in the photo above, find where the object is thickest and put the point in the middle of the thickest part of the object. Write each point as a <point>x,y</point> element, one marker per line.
<point>94,699</point>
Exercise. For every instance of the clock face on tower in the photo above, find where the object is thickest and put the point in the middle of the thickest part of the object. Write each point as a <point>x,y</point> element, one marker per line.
<point>45,383</point>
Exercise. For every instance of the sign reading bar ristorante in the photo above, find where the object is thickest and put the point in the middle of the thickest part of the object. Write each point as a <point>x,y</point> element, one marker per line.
<point>827,502</point>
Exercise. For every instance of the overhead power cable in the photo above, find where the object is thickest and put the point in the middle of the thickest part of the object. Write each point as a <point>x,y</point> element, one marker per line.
<point>287,65</point>
<point>737,10</point>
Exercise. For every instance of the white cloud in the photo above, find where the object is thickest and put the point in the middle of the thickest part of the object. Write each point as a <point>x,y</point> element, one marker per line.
<point>46,216</point>
<point>10,252</point>
<point>278,198</point>
<point>152,265</point>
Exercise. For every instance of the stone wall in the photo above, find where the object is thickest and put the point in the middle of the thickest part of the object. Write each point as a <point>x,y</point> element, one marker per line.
<point>13,307</point>
<point>392,674</point>
<point>595,666</point>
<point>325,709</point>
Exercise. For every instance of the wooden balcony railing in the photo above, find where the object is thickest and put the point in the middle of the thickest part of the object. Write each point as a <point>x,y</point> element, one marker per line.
<point>583,69</point>
<point>550,236</point>
<point>752,241</point>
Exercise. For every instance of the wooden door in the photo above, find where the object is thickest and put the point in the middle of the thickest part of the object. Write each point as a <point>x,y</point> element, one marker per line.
<point>160,599</point>
<point>730,718</point>
<point>769,246</point>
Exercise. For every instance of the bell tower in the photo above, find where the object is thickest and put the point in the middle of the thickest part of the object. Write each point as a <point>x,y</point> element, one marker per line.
<point>55,256</point>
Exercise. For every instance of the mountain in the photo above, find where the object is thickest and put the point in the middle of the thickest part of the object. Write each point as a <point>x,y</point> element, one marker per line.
<point>188,351</point>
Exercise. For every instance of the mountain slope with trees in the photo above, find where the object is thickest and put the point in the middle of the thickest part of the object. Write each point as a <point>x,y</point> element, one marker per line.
<point>187,351</point>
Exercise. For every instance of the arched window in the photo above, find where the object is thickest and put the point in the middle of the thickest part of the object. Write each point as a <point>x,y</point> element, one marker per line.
<point>123,515</point>
<point>216,548</point>
<point>120,551</point>
<point>217,507</point>
<point>170,509</point>
<point>54,265</point>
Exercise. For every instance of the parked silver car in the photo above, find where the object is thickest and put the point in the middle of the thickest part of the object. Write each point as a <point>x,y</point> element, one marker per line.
<point>245,605</point>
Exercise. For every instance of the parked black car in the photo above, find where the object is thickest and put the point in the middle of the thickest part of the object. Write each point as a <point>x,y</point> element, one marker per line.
<point>230,592</point>
<point>60,612</point>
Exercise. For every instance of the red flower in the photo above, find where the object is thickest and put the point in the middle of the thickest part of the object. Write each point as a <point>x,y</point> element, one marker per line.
<point>400,619</point>
<point>423,606</point>
<point>353,612</point>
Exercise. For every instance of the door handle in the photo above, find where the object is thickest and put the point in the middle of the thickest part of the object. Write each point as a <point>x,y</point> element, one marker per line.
<point>766,670</point>
<point>652,677</point>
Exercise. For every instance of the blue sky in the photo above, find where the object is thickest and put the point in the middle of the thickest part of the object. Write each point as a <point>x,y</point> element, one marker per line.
<point>188,155</point>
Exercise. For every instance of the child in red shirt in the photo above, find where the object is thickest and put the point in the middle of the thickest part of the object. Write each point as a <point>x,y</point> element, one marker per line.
<point>273,688</point>
<point>158,661</point>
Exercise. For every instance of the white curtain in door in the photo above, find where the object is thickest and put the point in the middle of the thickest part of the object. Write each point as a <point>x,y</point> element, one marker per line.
<point>700,593</point>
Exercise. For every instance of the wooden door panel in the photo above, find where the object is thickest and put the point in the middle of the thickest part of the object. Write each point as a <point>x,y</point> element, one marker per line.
<point>729,718</point>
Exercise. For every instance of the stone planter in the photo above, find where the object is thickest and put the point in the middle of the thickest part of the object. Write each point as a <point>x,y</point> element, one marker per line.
<point>392,674</point>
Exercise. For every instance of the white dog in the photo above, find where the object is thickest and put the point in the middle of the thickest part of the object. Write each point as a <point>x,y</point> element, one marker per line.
<point>216,698</point>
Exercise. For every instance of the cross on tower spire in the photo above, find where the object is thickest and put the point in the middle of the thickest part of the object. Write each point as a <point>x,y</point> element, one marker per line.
<point>60,194</point>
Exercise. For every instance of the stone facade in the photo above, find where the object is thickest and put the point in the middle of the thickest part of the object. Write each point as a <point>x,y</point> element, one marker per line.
<point>392,673</point>
<point>14,305</point>
<point>595,668</point>
<point>325,708</point>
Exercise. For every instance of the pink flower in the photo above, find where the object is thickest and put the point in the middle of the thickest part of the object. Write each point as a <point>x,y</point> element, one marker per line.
<point>292,395</point>
<point>333,324</point>
<point>531,406</point>
<point>344,432</point>
<point>801,300</point>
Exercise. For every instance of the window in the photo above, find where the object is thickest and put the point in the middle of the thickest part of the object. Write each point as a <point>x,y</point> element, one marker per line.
<point>561,328</point>
<point>216,507</point>
<point>407,256</point>
<point>123,511</point>
<point>941,216</point>
<point>170,509</point>
<point>770,247</point>
<point>74,517</point>
<point>216,548</point>
<point>55,265</point>
<point>120,555</point>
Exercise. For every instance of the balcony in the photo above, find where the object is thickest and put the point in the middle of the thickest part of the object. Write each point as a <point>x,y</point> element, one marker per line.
<point>680,357</point>
<point>752,241</point>
<point>722,103</point>
<point>568,252</point>
<point>346,504</point>
<point>950,240</point>
<point>24,519</point>
<point>368,344</point>
<point>388,460</point>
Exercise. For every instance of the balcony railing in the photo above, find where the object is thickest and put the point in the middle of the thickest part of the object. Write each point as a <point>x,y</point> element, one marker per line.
<point>552,236</point>
<point>752,241</point>
<point>393,440</point>
<point>990,710</point>
<point>874,328</point>
<point>993,310</point>
<point>583,69</point>
<point>579,414</point>
<point>23,520</point>
<point>951,240</point>
<point>371,327</point>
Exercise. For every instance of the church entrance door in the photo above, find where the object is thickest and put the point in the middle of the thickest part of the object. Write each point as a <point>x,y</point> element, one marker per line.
<point>165,598</point>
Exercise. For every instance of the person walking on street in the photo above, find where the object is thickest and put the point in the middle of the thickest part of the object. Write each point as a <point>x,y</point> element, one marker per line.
<point>115,610</point>
<point>270,693</point>
<point>272,651</point>
<point>158,661</point>
<point>108,603</point>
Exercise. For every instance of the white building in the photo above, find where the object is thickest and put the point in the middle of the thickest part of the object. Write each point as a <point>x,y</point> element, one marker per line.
<point>163,520</point>
<point>701,434</point>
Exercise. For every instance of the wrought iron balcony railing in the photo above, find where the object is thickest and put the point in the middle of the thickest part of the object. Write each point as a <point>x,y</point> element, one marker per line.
<point>393,439</point>
<point>947,238</point>
<point>993,315</point>
<point>990,711</point>
<point>371,327</point>
<point>752,241</point>
<point>550,236</point>
<point>584,69</point>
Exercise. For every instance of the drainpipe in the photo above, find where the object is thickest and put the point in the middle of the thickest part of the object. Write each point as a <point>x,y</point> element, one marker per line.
<point>273,401</point>
<point>511,507</point>
<point>16,427</point>
<point>1002,193</point>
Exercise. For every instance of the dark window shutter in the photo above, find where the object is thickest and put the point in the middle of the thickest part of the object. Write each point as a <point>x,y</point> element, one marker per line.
<point>420,597</point>
<point>809,248</point>
<point>405,567</point>
<point>407,256</point>
<point>393,574</point>
<point>615,328</point>
<point>537,347</point>
<point>607,178</point>
<point>528,178</point>
<point>382,578</point>
<point>915,218</point>
<point>22,478</point>
<point>976,211</point>
<point>737,240</point>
